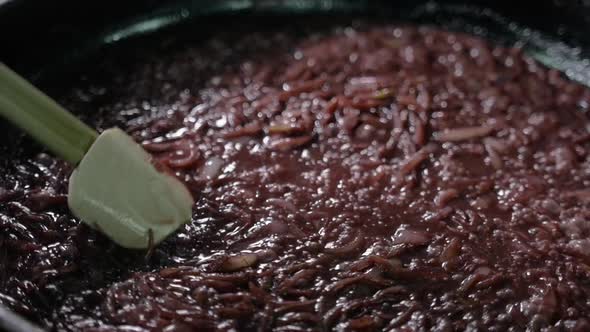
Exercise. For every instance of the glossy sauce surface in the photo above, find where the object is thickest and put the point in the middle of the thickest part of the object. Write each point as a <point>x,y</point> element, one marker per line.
<point>360,177</point>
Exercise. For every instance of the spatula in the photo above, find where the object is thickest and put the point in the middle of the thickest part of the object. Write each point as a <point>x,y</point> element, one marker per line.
<point>114,188</point>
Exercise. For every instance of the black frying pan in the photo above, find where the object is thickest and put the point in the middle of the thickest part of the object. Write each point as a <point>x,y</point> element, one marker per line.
<point>47,40</point>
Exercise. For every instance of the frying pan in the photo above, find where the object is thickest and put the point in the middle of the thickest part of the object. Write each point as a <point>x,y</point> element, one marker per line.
<point>45,40</point>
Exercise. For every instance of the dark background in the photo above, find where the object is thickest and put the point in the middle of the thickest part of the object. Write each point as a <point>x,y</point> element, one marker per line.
<point>34,30</point>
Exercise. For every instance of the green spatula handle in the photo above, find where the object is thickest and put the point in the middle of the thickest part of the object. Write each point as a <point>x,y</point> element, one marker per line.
<point>42,118</point>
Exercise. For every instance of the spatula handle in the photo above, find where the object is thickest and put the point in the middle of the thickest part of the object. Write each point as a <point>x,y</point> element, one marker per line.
<point>42,118</point>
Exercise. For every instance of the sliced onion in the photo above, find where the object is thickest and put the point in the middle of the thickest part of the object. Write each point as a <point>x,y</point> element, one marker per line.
<point>283,203</point>
<point>356,245</point>
<point>461,134</point>
<point>412,162</point>
<point>278,227</point>
<point>289,143</point>
<point>446,196</point>
<point>212,167</point>
<point>186,158</point>
<point>242,261</point>
<point>406,236</point>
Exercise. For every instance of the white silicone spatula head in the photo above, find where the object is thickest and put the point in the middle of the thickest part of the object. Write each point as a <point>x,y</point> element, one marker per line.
<point>115,188</point>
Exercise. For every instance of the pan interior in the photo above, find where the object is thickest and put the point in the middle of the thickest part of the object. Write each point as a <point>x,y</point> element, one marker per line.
<point>188,18</point>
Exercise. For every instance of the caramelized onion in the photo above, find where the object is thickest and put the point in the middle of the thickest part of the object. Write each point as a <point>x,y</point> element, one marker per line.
<point>239,262</point>
<point>464,133</point>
